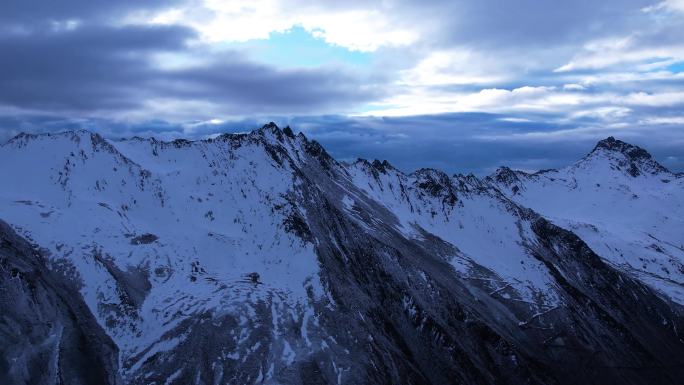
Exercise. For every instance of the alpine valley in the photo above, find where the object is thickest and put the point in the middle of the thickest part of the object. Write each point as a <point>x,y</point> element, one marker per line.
<point>259,259</point>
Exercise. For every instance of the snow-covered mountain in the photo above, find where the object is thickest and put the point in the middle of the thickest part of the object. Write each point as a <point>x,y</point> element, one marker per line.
<point>258,258</point>
<point>627,207</point>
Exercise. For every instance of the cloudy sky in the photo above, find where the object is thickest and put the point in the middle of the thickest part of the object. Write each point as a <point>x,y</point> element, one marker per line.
<point>462,85</point>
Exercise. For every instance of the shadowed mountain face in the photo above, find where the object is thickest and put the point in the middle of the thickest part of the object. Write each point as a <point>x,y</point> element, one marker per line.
<point>259,258</point>
<point>48,334</point>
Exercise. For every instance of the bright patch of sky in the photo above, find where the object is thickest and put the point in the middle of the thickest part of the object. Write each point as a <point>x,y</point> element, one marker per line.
<point>676,67</point>
<point>297,47</point>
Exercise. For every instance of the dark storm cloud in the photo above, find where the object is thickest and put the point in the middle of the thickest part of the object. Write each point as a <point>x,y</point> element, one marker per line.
<point>111,68</point>
<point>99,66</point>
<point>34,12</point>
<point>242,86</point>
<point>544,22</point>
<point>525,23</point>
<point>88,68</point>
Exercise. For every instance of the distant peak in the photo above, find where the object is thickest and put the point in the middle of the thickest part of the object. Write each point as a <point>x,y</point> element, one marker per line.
<point>279,133</point>
<point>504,170</point>
<point>616,145</point>
<point>271,126</point>
<point>427,172</point>
<point>507,175</point>
<point>383,166</point>
<point>437,183</point>
<point>432,175</point>
<point>288,131</point>
<point>633,158</point>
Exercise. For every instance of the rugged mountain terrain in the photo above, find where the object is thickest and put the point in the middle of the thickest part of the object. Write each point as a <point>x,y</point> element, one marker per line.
<point>258,258</point>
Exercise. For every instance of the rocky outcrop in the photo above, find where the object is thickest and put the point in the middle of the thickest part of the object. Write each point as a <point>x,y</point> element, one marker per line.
<point>633,159</point>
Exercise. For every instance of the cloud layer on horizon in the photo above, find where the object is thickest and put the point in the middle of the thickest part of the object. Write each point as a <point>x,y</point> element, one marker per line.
<point>456,143</point>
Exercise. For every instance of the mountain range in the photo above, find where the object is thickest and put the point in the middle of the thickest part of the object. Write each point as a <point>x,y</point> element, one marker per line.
<point>259,258</point>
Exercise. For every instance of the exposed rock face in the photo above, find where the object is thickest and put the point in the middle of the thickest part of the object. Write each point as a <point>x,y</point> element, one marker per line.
<point>258,258</point>
<point>47,333</point>
<point>633,152</point>
<point>634,159</point>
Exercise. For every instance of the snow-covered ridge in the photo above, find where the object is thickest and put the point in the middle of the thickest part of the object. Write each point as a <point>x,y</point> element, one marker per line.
<point>257,257</point>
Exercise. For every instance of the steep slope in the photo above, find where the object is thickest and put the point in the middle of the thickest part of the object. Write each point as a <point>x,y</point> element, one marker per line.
<point>619,200</point>
<point>258,258</point>
<point>564,301</point>
<point>48,334</point>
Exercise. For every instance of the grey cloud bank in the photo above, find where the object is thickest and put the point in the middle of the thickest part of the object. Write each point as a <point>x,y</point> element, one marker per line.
<point>456,143</point>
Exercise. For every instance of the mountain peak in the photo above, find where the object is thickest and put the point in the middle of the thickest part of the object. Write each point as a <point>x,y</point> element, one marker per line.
<point>616,145</point>
<point>508,178</point>
<point>437,183</point>
<point>271,128</point>
<point>634,158</point>
<point>505,174</point>
<point>383,166</point>
<point>271,125</point>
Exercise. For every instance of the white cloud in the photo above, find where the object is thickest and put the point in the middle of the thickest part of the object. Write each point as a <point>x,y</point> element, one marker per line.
<point>663,99</point>
<point>575,133</point>
<point>452,67</point>
<point>516,120</point>
<point>65,25</point>
<point>574,87</point>
<point>627,77</point>
<point>677,5</point>
<point>639,58</point>
<point>671,5</point>
<point>608,107</point>
<point>662,120</point>
<point>603,54</point>
<point>603,113</point>
<point>416,101</point>
<point>356,28</point>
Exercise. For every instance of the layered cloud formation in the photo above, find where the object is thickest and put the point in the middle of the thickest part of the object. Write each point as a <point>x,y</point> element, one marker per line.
<point>461,85</point>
